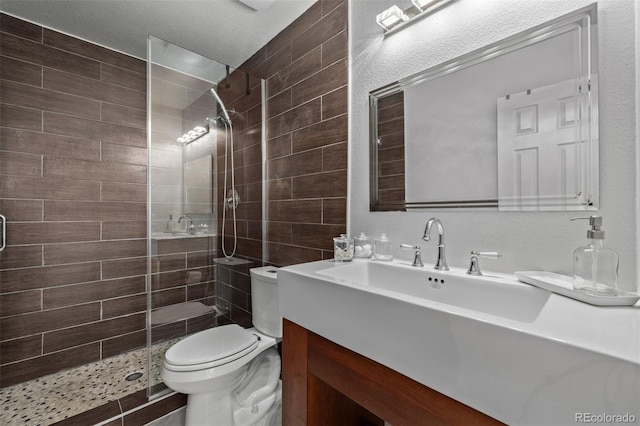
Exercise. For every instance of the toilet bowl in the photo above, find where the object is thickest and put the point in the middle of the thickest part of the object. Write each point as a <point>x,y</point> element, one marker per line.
<point>231,374</point>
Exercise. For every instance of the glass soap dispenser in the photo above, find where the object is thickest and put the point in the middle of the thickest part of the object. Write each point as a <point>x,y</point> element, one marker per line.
<point>595,267</point>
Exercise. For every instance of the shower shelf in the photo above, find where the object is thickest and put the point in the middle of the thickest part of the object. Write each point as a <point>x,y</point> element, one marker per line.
<point>180,312</point>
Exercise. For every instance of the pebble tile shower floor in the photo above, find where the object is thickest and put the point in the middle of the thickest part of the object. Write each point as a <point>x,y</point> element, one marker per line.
<point>58,396</point>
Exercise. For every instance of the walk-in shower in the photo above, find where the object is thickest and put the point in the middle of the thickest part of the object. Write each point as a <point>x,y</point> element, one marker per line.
<point>205,139</point>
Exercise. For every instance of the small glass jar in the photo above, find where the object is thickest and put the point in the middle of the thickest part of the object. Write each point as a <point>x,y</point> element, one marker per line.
<point>363,246</point>
<point>382,248</point>
<point>343,248</point>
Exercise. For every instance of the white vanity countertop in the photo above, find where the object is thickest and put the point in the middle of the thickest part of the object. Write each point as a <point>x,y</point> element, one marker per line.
<point>568,357</point>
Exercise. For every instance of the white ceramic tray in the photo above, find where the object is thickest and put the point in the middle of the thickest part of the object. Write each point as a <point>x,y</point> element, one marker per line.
<point>562,284</point>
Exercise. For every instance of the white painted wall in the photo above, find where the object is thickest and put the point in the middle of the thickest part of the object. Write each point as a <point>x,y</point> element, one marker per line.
<point>527,240</point>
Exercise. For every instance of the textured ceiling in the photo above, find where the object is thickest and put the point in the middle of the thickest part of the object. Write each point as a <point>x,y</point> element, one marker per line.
<point>227,31</point>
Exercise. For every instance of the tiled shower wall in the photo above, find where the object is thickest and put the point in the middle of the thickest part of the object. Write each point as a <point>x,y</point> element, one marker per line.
<point>73,182</point>
<point>73,186</point>
<point>305,68</point>
<point>306,71</point>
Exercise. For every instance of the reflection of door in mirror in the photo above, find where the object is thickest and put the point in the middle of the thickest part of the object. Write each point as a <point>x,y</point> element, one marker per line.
<point>541,149</point>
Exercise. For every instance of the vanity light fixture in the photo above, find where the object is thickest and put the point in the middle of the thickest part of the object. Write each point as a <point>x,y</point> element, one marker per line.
<point>424,4</point>
<point>194,134</point>
<point>391,18</point>
<point>395,18</point>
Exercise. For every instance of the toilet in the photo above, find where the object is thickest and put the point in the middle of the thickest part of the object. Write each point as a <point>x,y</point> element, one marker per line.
<point>230,374</point>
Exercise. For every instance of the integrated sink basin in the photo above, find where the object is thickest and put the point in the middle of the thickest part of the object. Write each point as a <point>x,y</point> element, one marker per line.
<point>515,352</point>
<point>491,295</point>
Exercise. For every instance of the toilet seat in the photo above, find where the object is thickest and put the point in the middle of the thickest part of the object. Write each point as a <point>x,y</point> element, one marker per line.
<point>211,348</point>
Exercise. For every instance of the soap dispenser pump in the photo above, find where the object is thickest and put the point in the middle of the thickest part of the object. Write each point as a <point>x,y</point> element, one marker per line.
<point>595,267</point>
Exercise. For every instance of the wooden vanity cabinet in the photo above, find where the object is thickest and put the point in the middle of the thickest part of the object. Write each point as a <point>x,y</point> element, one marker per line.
<point>327,384</point>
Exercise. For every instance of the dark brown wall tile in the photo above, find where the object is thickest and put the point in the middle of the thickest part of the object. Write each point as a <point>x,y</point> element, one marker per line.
<point>294,119</point>
<point>57,297</point>
<point>124,154</point>
<point>334,103</point>
<point>22,210</point>
<point>93,416</point>
<point>20,303</point>
<point>89,129</point>
<point>283,255</point>
<point>124,115</point>
<point>329,26</point>
<point>37,367</point>
<point>38,322</point>
<point>20,118</point>
<point>335,49</point>
<point>18,349</point>
<point>279,189</point>
<point>295,165</point>
<point>90,210</point>
<point>20,257</point>
<point>315,235</point>
<point>62,339</point>
<point>275,62</point>
<point>124,230</point>
<point>305,211</point>
<point>48,276</point>
<point>168,297</point>
<point>331,78</point>
<point>36,53</point>
<point>136,80</point>
<point>20,164</point>
<point>94,170</point>
<point>279,146</point>
<point>116,191</point>
<point>334,157</point>
<point>334,210</point>
<point>86,252</point>
<point>279,103</point>
<point>155,411</point>
<point>124,343</point>
<point>21,28</point>
<point>326,184</point>
<point>53,232</point>
<point>41,188</point>
<point>124,267</point>
<point>300,69</point>
<point>20,71</point>
<point>48,100</point>
<point>88,87</point>
<point>324,133</point>
<point>45,144</point>
<point>83,48</point>
<point>124,305</point>
<point>279,232</point>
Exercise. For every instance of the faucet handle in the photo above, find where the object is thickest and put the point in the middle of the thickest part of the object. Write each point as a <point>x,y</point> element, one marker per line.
<point>474,267</point>
<point>417,259</point>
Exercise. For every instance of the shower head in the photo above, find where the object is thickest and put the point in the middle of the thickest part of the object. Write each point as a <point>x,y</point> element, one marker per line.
<point>225,113</point>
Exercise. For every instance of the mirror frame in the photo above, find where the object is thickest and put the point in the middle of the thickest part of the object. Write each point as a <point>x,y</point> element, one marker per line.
<point>585,18</point>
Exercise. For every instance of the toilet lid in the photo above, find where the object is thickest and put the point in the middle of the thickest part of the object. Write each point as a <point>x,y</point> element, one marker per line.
<point>223,344</point>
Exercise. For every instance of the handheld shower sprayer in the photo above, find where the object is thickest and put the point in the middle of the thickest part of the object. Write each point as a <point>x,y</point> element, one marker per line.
<point>225,113</point>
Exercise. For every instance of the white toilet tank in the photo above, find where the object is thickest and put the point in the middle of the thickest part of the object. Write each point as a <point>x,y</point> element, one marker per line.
<point>264,301</point>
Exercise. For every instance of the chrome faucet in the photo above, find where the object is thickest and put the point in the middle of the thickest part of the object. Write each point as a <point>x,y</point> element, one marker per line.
<point>184,216</point>
<point>441,263</point>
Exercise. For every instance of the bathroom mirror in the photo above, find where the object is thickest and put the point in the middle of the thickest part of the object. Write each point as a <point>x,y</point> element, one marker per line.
<point>512,126</point>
